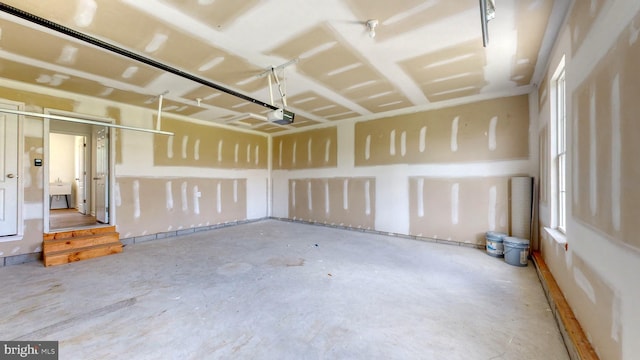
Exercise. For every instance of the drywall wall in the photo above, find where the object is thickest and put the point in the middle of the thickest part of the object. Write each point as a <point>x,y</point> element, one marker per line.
<point>460,209</point>
<point>606,107</point>
<point>214,173</point>
<point>197,145</point>
<point>597,262</point>
<point>336,201</point>
<point>488,130</point>
<point>309,149</point>
<point>429,174</point>
<point>157,205</point>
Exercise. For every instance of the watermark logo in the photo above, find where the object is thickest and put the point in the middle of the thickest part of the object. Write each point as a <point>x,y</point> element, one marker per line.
<point>31,350</point>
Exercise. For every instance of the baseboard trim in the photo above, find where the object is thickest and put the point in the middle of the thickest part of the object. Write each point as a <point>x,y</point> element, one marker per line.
<point>386,233</point>
<point>169,234</point>
<point>20,259</point>
<point>578,346</point>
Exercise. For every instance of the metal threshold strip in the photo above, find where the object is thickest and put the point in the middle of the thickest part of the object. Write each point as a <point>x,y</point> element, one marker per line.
<point>84,121</point>
<point>126,53</point>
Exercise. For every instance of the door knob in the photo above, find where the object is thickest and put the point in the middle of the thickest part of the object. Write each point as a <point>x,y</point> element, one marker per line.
<point>10,176</point>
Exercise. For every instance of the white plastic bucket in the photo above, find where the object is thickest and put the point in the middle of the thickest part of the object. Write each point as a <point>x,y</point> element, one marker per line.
<point>516,251</point>
<point>494,243</point>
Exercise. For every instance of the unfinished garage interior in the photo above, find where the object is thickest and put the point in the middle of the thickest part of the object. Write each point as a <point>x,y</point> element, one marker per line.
<point>316,179</point>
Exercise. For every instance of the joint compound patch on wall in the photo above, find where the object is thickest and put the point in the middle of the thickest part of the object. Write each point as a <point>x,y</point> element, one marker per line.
<point>493,143</point>
<point>337,201</point>
<point>327,151</point>
<point>318,149</point>
<point>201,202</point>
<point>136,199</point>
<point>208,146</point>
<point>448,209</point>
<point>185,143</point>
<point>169,195</point>
<point>196,150</point>
<point>605,170</point>
<point>483,131</point>
<point>454,133</point>
<point>392,142</point>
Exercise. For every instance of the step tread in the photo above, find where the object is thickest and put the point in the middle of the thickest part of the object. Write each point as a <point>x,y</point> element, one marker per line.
<point>90,252</point>
<point>78,233</point>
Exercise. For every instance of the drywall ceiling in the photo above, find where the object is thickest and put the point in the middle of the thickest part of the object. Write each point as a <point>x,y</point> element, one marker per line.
<point>424,52</point>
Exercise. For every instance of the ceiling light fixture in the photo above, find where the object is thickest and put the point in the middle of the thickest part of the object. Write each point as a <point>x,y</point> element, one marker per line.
<point>487,13</point>
<point>371,25</point>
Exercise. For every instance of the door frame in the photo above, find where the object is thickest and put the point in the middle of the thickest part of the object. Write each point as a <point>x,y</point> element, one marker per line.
<point>111,164</point>
<point>81,200</point>
<point>20,173</point>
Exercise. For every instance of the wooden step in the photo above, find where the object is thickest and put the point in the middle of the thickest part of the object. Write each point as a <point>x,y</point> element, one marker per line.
<point>68,256</point>
<point>79,232</point>
<point>74,245</point>
<point>56,245</point>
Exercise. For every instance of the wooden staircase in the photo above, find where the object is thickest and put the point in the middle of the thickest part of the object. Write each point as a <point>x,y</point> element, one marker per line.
<point>82,244</point>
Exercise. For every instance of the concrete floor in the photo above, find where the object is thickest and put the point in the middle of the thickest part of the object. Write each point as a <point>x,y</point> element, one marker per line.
<point>265,290</point>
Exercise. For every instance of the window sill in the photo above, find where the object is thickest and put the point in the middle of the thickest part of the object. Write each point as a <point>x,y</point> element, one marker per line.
<point>556,235</point>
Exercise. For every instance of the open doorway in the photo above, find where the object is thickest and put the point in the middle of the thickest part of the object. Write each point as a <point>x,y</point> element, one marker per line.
<point>78,175</point>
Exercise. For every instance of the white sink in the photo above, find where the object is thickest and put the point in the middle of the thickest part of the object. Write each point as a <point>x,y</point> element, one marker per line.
<point>59,188</point>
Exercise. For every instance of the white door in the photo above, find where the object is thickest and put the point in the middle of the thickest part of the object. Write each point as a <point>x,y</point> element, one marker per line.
<point>81,174</point>
<point>8,172</point>
<point>102,175</point>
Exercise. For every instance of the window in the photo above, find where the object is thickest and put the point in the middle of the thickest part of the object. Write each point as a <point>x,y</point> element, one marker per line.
<point>561,151</point>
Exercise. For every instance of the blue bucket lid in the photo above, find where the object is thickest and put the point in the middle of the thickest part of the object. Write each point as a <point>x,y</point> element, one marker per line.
<point>512,240</point>
<point>495,236</point>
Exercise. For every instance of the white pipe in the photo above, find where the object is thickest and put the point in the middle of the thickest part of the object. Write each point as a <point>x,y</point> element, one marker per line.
<point>84,121</point>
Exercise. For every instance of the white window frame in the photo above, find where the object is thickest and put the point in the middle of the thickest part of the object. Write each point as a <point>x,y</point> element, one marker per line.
<point>559,150</point>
